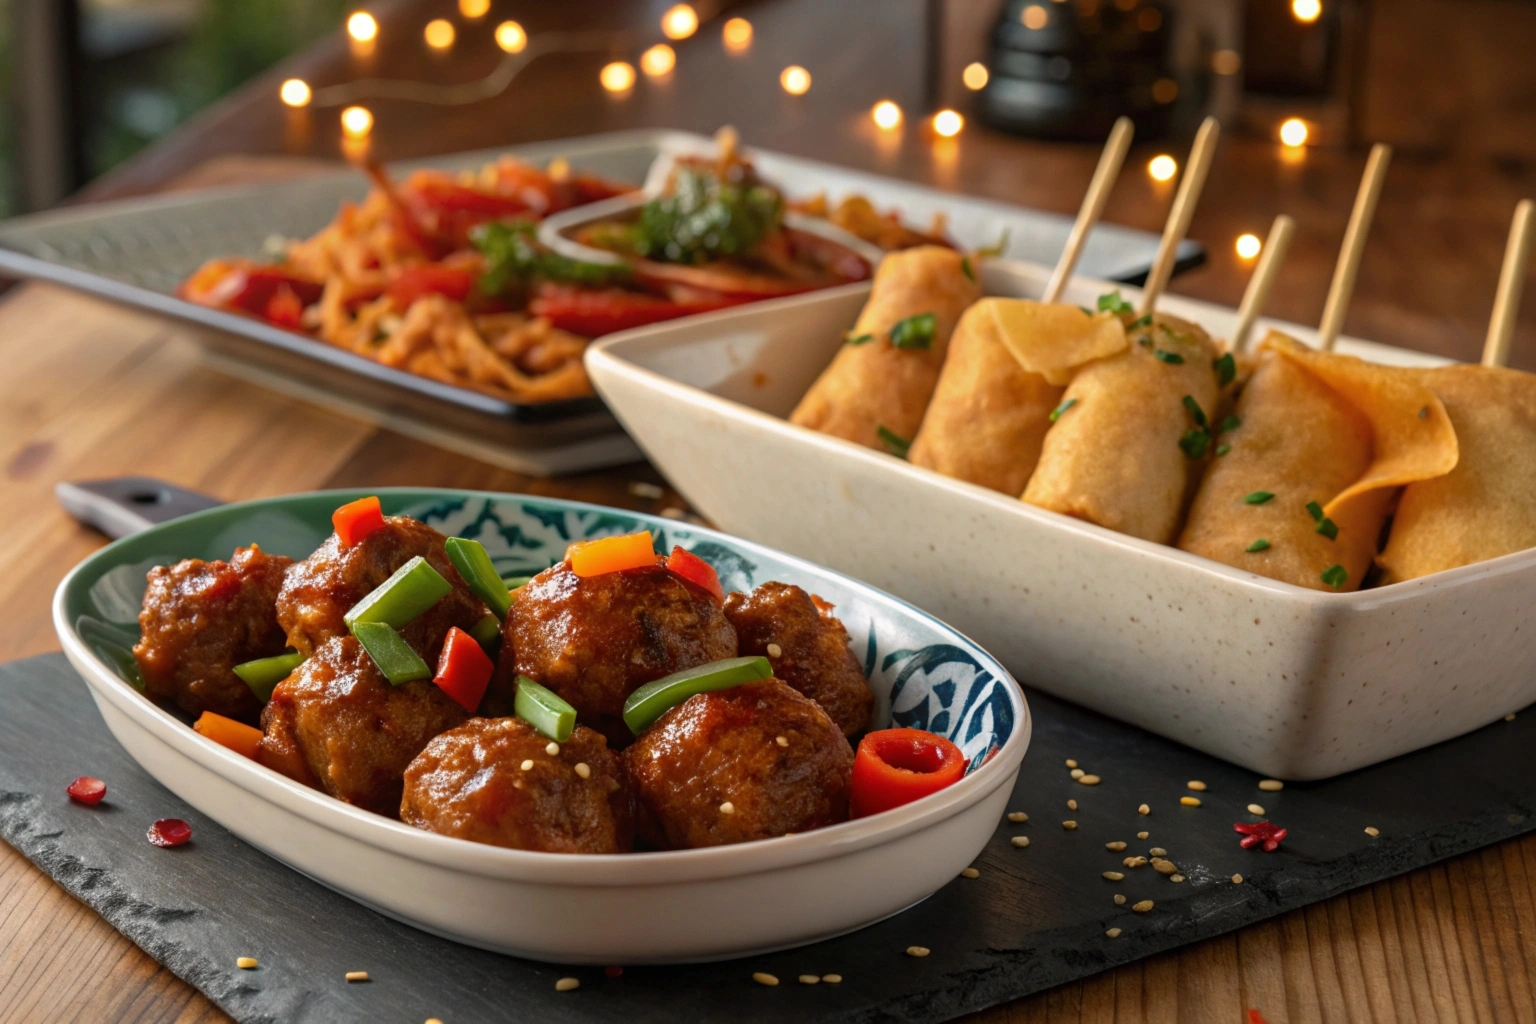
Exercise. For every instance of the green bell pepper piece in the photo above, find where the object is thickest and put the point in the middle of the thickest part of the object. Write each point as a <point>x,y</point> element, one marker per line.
<point>414,588</point>
<point>544,709</point>
<point>398,662</point>
<point>655,699</point>
<point>474,564</point>
<point>263,674</point>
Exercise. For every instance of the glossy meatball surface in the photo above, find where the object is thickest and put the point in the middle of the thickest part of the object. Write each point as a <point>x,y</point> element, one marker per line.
<point>471,783</point>
<point>337,723</point>
<point>593,640</point>
<point>812,645</point>
<point>200,619</point>
<point>752,762</point>
<point>324,587</point>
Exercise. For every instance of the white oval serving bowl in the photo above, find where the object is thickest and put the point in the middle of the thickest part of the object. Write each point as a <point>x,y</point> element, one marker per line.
<point>622,909</point>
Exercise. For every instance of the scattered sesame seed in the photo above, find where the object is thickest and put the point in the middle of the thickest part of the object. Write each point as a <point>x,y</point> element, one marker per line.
<point>1119,899</point>
<point>1114,876</point>
<point>246,963</point>
<point>1256,809</point>
<point>1089,780</point>
<point>1175,877</point>
<point>917,951</point>
<point>1134,862</point>
<point>1069,825</point>
<point>1237,879</point>
<point>1164,867</point>
<point>727,808</point>
<point>527,765</point>
<point>1142,907</point>
<point>1509,717</point>
<point>832,979</point>
<point>810,979</point>
<point>764,978</point>
<point>1142,835</point>
<point>583,770</point>
<point>1190,801</point>
<point>775,651</point>
<point>970,873</point>
<point>357,975</point>
<point>567,984</point>
<point>1020,841</point>
<point>782,741</point>
<point>1158,851</point>
<point>1113,933</point>
<point>1143,809</point>
<point>1017,817</point>
<point>1077,773</point>
<point>1372,831</point>
<point>1116,846</point>
<point>1196,785</point>
<point>645,489</point>
<point>552,749</point>
<point>1071,805</point>
<point>1271,785</point>
<point>1071,763</point>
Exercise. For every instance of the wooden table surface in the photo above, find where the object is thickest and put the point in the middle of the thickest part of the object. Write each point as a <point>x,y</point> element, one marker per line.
<point>92,391</point>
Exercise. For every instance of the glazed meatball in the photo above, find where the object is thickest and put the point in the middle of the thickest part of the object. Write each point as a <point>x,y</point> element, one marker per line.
<point>324,587</point>
<point>812,646</point>
<point>493,780</point>
<point>337,724</point>
<point>593,640</point>
<point>200,620</point>
<point>752,762</point>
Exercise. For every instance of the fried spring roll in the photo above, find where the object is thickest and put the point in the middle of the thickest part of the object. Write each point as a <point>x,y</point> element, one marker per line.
<point>877,387</point>
<point>1321,445</point>
<point>1127,445</point>
<point>1486,506</point>
<point>1007,365</point>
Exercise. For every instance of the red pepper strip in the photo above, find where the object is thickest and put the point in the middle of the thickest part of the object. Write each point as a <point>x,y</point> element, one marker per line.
<point>430,191</point>
<point>593,312</point>
<point>415,282</point>
<point>1255,1017</point>
<point>246,287</point>
<point>897,766</point>
<point>87,790</point>
<point>463,669</point>
<point>357,519</point>
<point>284,308</point>
<point>696,571</point>
<point>1260,833</point>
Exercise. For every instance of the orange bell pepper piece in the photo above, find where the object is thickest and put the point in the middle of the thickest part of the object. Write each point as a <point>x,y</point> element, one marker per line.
<point>227,732</point>
<point>612,554</point>
<point>357,519</point>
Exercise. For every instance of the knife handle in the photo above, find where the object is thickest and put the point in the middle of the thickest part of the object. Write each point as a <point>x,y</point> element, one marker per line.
<point>125,505</point>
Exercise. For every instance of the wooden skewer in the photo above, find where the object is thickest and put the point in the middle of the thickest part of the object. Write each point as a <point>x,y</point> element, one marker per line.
<point>1343,286</point>
<point>1093,206</point>
<point>1263,279</point>
<point>1506,301</point>
<point>1183,211</point>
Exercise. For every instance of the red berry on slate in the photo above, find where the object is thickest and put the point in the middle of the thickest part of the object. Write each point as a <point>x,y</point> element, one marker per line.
<point>169,832</point>
<point>1260,833</point>
<point>86,790</point>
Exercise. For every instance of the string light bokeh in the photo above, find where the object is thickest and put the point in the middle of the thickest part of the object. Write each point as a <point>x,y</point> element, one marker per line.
<point>975,76</point>
<point>1307,11</point>
<point>1162,167</point>
<point>1294,132</point>
<point>1248,246</point>
<point>795,80</point>
<point>736,34</point>
<point>439,33</point>
<point>948,123</point>
<point>473,9</point>
<point>618,76</point>
<point>511,37</point>
<point>679,22</point>
<point>362,27</point>
<point>356,122</point>
<point>658,60</point>
<point>886,115</point>
<point>295,92</point>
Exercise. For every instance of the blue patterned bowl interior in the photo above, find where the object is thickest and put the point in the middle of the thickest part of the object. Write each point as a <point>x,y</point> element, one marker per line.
<point>924,674</point>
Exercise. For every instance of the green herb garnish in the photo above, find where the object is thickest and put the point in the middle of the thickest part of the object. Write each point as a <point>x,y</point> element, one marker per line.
<point>704,218</point>
<point>1113,303</point>
<point>1259,545</point>
<point>514,259</point>
<point>1335,576</point>
<point>1063,407</point>
<point>1257,497</point>
<point>894,442</point>
<point>851,339</point>
<point>1315,510</point>
<point>1328,528</point>
<point>1195,412</point>
<point>1226,369</point>
<point>1171,358</point>
<point>915,331</point>
<point>1230,423</point>
<point>1141,321</point>
<point>997,249</point>
<point>1222,449</point>
<point>1196,443</point>
<point>965,268</point>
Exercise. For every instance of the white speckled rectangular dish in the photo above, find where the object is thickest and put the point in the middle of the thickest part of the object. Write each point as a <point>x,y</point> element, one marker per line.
<point>1289,682</point>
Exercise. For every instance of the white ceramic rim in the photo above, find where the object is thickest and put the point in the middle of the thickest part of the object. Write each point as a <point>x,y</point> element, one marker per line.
<point>626,869</point>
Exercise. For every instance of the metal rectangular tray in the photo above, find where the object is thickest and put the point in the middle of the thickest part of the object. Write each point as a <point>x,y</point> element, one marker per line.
<point>137,251</point>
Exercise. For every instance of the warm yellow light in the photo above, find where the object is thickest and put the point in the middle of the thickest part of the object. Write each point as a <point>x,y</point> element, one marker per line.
<point>737,34</point>
<point>1034,16</point>
<point>679,22</point>
<point>511,37</point>
<point>975,76</point>
<point>1294,132</point>
<point>617,77</point>
<point>1226,62</point>
<point>295,92</point>
<point>1165,90</point>
<point>886,114</point>
<point>1248,246</point>
<point>658,60</point>
<point>948,123</point>
<point>356,122</point>
<point>1162,167</point>
<point>474,8</point>
<point>795,80</point>
<point>1307,10</point>
<point>362,26</point>
<point>438,34</point>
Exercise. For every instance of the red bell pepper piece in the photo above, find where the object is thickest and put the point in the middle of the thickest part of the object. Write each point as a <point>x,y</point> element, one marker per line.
<point>696,571</point>
<point>415,282</point>
<point>284,308</point>
<point>893,767</point>
<point>269,292</point>
<point>463,669</point>
<point>593,312</point>
<point>357,519</point>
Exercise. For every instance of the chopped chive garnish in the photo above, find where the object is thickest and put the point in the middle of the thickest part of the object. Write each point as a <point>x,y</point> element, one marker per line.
<point>1145,342</point>
<point>1230,423</point>
<point>857,339</point>
<point>1196,443</point>
<point>1063,407</point>
<point>1222,449</point>
<point>1259,545</point>
<point>1195,412</point>
<point>480,575</point>
<point>1258,497</point>
<point>1335,576</point>
<point>544,709</point>
<point>1113,303</point>
<point>894,442</point>
<point>965,268</point>
<point>414,588</point>
<point>263,674</point>
<point>396,660</point>
<point>1328,528</point>
<point>1171,358</point>
<point>915,331</point>
<point>1085,309</point>
<point>997,248</point>
<point>1315,510</point>
<point>1226,369</point>
<point>1141,321</point>
<point>655,699</point>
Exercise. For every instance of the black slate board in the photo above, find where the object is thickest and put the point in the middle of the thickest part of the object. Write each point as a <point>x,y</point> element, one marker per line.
<point>1035,917</point>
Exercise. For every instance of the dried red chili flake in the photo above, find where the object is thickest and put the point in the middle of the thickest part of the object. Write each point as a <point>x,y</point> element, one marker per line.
<point>613,972</point>
<point>1260,833</point>
<point>1255,1017</point>
<point>87,790</point>
<point>169,832</point>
